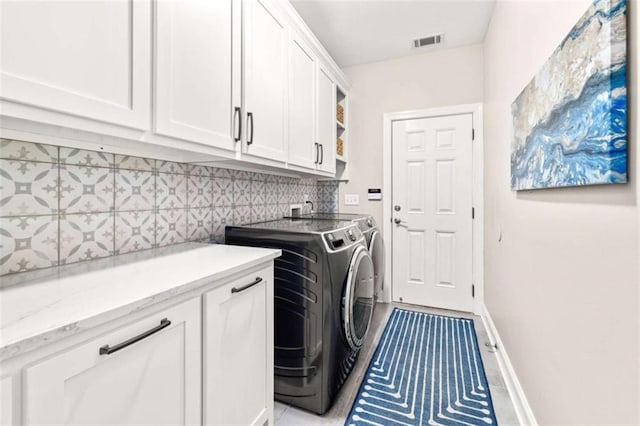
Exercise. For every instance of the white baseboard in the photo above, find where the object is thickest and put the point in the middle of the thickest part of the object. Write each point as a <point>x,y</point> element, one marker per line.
<point>520,403</point>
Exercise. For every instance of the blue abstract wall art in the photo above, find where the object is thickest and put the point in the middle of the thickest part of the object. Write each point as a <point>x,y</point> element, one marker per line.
<point>570,121</point>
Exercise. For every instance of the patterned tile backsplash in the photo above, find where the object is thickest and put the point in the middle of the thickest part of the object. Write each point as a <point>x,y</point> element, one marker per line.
<point>62,205</point>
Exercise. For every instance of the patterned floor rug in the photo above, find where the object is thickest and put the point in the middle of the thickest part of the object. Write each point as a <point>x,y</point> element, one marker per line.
<point>426,370</point>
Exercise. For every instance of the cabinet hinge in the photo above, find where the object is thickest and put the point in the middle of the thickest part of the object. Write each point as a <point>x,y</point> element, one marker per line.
<point>473,134</point>
<point>473,212</point>
<point>473,290</point>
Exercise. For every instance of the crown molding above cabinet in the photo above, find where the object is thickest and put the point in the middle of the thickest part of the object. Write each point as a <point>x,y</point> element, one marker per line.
<point>189,81</point>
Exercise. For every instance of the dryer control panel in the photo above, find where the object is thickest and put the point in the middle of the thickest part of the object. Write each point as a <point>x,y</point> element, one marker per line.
<point>343,238</point>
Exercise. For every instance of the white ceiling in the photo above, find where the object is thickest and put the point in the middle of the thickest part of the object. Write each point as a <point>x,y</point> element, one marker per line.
<point>363,31</point>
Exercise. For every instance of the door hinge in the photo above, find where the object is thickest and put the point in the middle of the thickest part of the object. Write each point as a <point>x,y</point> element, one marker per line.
<point>473,212</point>
<point>473,134</point>
<point>473,290</point>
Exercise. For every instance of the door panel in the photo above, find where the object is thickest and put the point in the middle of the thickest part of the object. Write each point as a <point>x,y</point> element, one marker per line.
<point>156,380</point>
<point>102,75</point>
<point>265,78</point>
<point>236,351</point>
<point>195,80</point>
<point>302,105</point>
<point>432,182</point>
<point>327,121</point>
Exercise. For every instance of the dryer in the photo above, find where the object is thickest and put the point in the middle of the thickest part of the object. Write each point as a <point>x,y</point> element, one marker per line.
<point>324,284</point>
<point>373,235</point>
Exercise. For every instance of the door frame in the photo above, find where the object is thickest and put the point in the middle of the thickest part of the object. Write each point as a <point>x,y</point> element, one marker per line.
<point>477,245</point>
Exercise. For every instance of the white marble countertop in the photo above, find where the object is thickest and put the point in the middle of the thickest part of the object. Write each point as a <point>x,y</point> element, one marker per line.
<point>46,305</point>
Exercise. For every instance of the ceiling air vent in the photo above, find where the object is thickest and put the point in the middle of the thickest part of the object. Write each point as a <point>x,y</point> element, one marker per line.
<point>427,41</point>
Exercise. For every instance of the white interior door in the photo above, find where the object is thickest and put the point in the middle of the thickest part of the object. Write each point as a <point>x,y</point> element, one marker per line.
<point>432,202</point>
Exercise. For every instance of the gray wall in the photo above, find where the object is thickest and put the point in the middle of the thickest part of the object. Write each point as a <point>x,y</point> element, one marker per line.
<point>562,286</point>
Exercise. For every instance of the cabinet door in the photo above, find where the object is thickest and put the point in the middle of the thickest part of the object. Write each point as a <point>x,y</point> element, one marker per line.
<point>238,352</point>
<point>91,59</point>
<point>154,381</point>
<point>197,82</point>
<point>327,121</point>
<point>6,401</point>
<point>265,78</point>
<point>302,105</point>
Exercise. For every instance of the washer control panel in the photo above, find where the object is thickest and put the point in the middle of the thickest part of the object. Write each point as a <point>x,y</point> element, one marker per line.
<point>343,238</point>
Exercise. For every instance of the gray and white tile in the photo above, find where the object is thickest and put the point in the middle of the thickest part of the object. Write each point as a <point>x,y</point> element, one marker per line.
<point>28,242</point>
<point>222,192</point>
<point>241,192</point>
<point>81,157</point>
<point>218,172</point>
<point>258,213</point>
<point>134,231</point>
<point>28,188</point>
<point>271,193</point>
<point>86,189</point>
<point>134,163</point>
<point>257,192</point>
<point>222,217</point>
<point>200,224</point>
<point>171,227</point>
<point>199,192</point>
<point>85,236</point>
<point>135,190</point>
<point>272,212</point>
<point>241,215</point>
<point>27,151</point>
<point>171,167</point>
<point>171,191</point>
<point>199,170</point>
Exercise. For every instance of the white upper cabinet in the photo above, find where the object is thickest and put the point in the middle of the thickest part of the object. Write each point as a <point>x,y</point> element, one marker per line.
<point>326,121</point>
<point>197,81</point>
<point>265,79</point>
<point>90,59</point>
<point>303,149</point>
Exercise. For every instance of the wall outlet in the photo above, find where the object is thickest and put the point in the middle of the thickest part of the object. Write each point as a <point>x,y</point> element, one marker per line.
<point>351,199</point>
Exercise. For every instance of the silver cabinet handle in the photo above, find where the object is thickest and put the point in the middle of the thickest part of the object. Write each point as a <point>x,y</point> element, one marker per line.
<point>250,120</point>
<point>238,124</point>
<point>108,350</point>
<point>317,145</point>
<point>258,280</point>
<point>321,153</point>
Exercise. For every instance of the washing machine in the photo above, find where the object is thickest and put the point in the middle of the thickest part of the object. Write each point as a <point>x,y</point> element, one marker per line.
<point>323,288</point>
<point>373,235</point>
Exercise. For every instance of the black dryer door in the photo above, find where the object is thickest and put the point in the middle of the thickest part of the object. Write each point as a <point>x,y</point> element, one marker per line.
<point>357,302</point>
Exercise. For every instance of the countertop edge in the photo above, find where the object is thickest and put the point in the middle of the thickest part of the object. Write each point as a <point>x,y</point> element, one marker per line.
<point>58,332</point>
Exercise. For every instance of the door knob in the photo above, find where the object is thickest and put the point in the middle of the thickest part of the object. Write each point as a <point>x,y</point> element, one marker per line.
<point>398,221</point>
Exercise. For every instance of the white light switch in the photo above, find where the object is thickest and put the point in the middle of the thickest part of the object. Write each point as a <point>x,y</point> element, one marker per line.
<point>351,199</point>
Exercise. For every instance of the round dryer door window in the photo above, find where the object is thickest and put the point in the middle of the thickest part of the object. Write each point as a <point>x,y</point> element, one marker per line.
<point>376,250</point>
<point>357,303</point>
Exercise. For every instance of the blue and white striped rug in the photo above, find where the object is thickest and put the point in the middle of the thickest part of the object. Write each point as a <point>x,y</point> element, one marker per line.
<point>426,370</point>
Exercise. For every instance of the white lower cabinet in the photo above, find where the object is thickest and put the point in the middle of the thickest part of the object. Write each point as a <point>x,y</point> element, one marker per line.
<point>147,373</point>
<point>238,352</point>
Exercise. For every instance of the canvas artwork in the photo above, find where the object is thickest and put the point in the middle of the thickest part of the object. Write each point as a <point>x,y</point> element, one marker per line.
<point>570,121</point>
